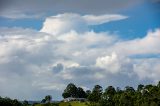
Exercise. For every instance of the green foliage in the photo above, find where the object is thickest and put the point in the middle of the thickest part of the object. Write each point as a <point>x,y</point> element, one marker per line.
<point>81,93</point>
<point>96,94</point>
<point>25,103</point>
<point>145,95</point>
<point>43,101</point>
<point>74,103</point>
<point>48,98</point>
<point>107,99</point>
<point>48,104</point>
<point>72,91</point>
<point>148,95</point>
<point>9,102</point>
<point>140,87</point>
<point>88,92</point>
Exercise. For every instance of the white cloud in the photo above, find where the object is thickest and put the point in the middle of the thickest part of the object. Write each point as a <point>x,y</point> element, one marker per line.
<point>96,20</point>
<point>148,68</point>
<point>110,63</point>
<point>40,62</point>
<point>64,23</point>
<point>147,45</point>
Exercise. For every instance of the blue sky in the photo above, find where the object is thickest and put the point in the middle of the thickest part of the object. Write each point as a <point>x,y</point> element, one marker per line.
<point>142,17</point>
<point>47,44</point>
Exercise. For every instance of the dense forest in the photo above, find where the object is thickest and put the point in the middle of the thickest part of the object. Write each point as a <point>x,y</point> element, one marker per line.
<point>143,95</point>
<point>9,102</point>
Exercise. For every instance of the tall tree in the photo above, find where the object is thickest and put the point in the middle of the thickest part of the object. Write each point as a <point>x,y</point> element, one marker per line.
<point>48,98</point>
<point>110,91</point>
<point>81,93</point>
<point>96,94</point>
<point>70,91</point>
<point>158,85</point>
<point>129,89</point>
<point>88,92</point>
<point>140,88</point>
<point>107,97</point>
<point>43,101</point>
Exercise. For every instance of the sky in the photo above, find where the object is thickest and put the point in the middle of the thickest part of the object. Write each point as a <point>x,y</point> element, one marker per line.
<point>47,44</point>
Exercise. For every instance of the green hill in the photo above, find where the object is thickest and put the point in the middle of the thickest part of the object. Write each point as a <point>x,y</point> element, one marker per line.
<point>74,103</point>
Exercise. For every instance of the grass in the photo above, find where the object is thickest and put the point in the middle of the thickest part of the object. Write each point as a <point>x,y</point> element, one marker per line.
<point>74,103</point>
<point>48,104</point>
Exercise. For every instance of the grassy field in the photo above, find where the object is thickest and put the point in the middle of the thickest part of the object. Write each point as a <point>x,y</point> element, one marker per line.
<point>65,104</point>
<point>72,104</point>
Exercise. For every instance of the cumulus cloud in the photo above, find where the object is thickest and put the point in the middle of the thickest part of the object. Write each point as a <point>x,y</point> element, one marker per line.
<point>41,62</point>
<point>109,62</point>
<point>147,45</point>
<point>148,68</point>
<point>64,23</point>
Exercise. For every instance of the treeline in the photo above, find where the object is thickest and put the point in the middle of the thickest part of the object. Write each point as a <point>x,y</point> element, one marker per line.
<point>9,102</point>
<point>144,95</point>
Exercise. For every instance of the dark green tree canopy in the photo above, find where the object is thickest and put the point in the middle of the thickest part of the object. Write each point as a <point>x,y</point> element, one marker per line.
<point>96,94</point>
<point>48,98</point>
<point>110,90</point>
<point>72,91</point>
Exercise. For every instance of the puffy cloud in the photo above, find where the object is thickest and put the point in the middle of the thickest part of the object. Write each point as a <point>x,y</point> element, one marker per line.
<point>115,64</point>
<point>148,68</point>
<point>42,62</point>
<point>109,62</point>
<point>147,45</point>
<point>63,23</point>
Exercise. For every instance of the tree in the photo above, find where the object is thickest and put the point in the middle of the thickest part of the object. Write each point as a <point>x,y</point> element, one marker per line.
<point>65,94</point>
<point>145,95</point>
<point>88,92</point>
<point>96,94</point>
<point>107,97</point>
<point>129,89</point>
<point>140,88</point>
<point>25,103</point>
<point>110,91</point>
<point>15,102</point>
<point>98,89</point>
<point>43,101</point>
<point>48,98</point>
<point>9,102</point>
<point>118,90</point>
<point>70,91</point>
<point>126,100</point>
<point>81,93</point>
<point>148,87</point>
<point>158,85</point>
